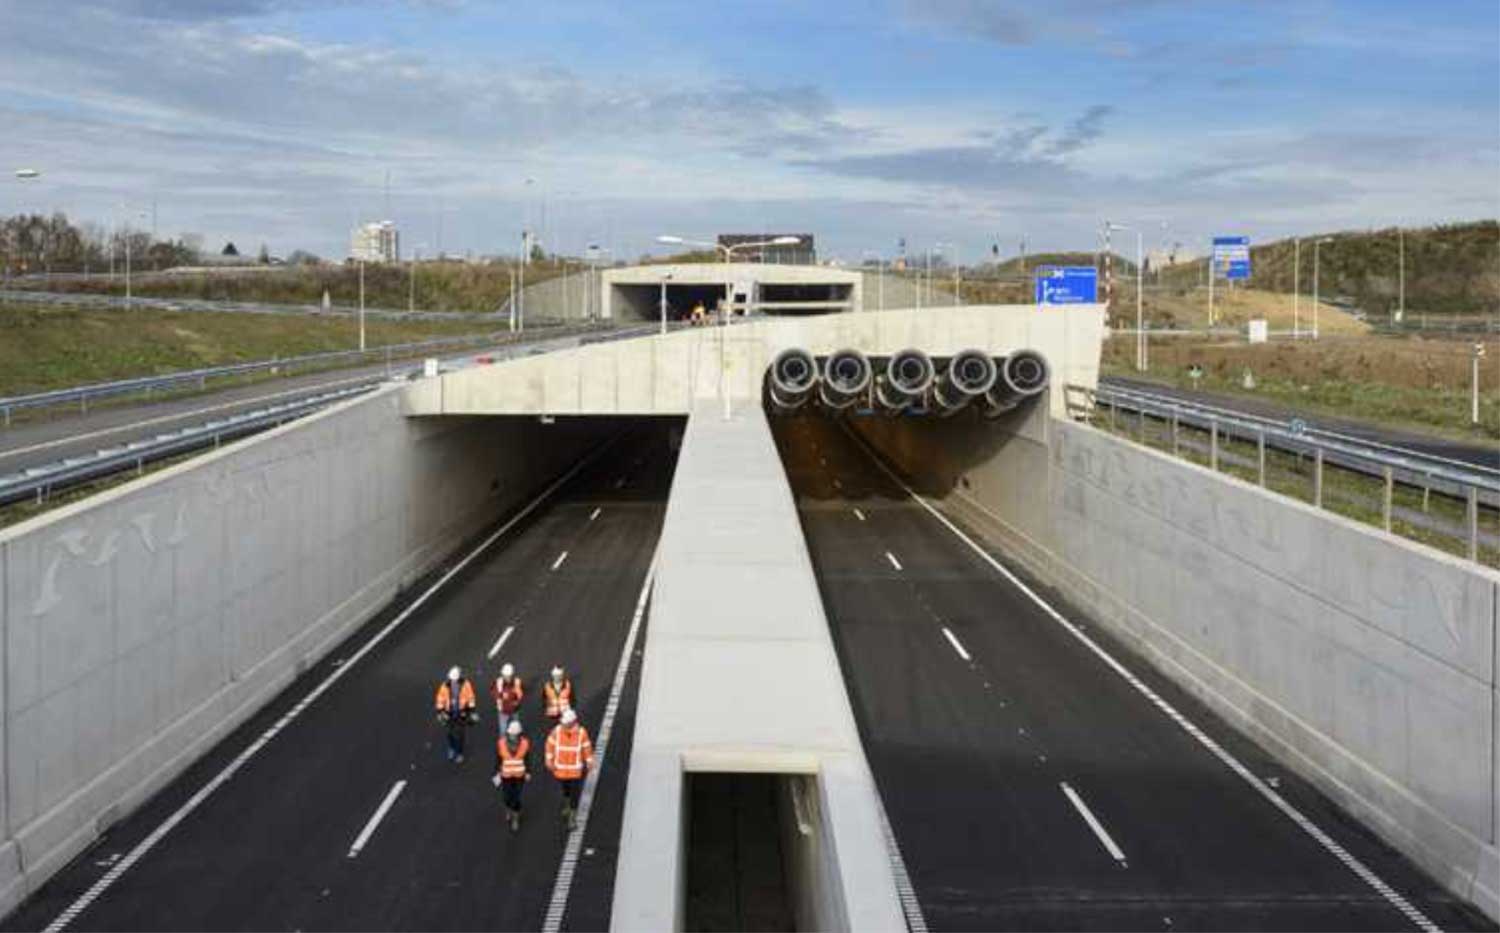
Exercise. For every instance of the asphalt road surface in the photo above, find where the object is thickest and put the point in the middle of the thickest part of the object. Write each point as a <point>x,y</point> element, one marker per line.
<point>996,737</point>
<point>1482,455</point>
<point>271,847</point>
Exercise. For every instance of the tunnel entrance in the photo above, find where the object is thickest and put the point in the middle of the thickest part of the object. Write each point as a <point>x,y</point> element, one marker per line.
<point>742,869</point>
<point>643,302</point>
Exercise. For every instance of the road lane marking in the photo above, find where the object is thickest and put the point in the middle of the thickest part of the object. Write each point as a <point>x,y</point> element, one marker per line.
<point>838,484</point>
<point>1329,844</point>
<point>892,558</point>
<point>859,515</point>
<point>558,905</point>
<point>380,812</point>
<point>620,483</point>
<point>560,558</point>
<point>103,884</point>
<point>953,640</point>
<point>595,514</point>
<point>1094,824</point>
<point>501,643</point>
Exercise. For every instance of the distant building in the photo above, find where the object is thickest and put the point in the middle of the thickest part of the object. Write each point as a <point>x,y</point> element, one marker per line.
<point>375,242</point>
<point>803,253</point>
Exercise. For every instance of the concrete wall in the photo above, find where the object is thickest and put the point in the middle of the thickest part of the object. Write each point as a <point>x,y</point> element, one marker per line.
<point>1365,662</point>
<point>143,624</point>
<point>735,613</point>
<point>666,375</point>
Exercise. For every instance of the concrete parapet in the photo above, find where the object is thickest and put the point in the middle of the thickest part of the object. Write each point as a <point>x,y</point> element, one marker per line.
<point>144,624</point>
<point>736,616</point>
<point>668,374</point>
<point>1365,662</point>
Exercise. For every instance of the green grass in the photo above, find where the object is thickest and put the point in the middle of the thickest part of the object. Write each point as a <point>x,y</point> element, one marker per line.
<point>440,286</point>
<point>43,348</point>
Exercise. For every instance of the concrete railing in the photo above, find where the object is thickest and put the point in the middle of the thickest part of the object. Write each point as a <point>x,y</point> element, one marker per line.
<point>1364,662</point>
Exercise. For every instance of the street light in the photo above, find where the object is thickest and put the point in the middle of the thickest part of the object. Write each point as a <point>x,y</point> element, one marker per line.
<point>879,274</point>
<point>1317,243</point>
<point>22,174</point>
<point>1140,316</point>
<point>1296,288</point>
<point>727,252</point>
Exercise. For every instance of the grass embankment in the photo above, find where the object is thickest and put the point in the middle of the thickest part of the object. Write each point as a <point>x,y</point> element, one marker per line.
<point>440,286</point>
<point>1168,307</point>
<point>44,348</point>
<point>1420,384</point>
<point>1450,268</point>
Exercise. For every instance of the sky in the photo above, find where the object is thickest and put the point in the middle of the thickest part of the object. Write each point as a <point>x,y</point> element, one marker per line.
<point>957,125</point>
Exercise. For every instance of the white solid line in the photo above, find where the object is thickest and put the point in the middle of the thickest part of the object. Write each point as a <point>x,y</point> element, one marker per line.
<point>892,558</point>
<point>953,640</point>
<point>1094,824</point>
<point>314,389</point>
<point>859,515</point>
<point>194,802</point>
<point>380,812</point>
<point>501,643</point>
<point>560,558</point>
<point>1329,844</point>
<point>915,922</point>
<point>594,514</point>
<point>558,905</point>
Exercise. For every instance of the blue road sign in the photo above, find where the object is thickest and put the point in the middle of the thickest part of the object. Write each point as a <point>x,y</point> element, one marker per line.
<point>1232,257</point>
<point>1067,285</point>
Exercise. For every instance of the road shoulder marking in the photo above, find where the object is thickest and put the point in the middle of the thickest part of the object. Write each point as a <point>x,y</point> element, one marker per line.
<point>1094,824</point>
<point>375,818</point>
<point>558,905</point>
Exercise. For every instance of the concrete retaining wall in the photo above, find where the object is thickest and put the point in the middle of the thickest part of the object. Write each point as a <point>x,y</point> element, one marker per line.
<point>1365,662</point>
<point>142,625</point>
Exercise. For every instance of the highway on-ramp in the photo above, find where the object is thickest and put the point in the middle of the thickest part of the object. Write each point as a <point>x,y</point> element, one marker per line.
<point>1033,785</point>
<point>312,832</point>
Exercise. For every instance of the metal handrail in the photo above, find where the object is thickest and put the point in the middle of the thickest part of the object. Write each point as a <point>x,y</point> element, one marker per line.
<point>82,395</point>
<point>1404,460</point>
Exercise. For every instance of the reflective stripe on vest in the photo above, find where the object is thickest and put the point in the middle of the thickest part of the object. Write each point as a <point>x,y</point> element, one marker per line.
<point>556,699</point>
<point>568,751</point>
<point>513,764</point>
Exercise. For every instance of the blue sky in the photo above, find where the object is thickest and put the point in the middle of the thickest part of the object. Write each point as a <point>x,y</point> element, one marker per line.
<point>965,122</point>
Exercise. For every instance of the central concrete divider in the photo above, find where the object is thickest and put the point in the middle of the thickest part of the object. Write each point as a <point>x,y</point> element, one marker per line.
<point>142,625</point>
<point>741,677</point>
<point>1365,662</point>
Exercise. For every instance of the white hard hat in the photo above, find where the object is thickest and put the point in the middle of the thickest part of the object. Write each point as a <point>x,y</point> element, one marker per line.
<point>569,717</point>
<point>454,673</point>
<point>514,729</point>
<point>507,670</point>
<point>557,672</point>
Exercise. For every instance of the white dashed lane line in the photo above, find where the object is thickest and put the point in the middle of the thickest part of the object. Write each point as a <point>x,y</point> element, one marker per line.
<point>859,515</point>
<point>1094,824</point>
<point>500,643</point>
<point>380,812</point>
<point>957,646</point>
<point>594,514</point>
<point>892,558</point>
<point>560,558</point>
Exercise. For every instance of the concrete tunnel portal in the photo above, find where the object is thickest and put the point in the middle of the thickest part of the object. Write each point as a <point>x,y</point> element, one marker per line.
<point>638,293</point>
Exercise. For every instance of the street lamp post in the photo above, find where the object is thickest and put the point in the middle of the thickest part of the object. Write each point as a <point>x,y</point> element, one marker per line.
<point>1140,315</point>
<point>22,175</point>
<point>664,280</point>
<point>361,298</point>
<point>879,276</point>
<point>1317,243</point>
<point>1296,288</point>
<point>727,253</point>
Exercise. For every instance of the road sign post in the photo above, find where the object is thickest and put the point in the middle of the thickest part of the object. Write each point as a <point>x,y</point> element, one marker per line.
<point>1229,260</point>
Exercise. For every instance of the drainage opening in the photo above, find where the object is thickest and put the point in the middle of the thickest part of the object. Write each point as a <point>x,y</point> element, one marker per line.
<point>744,867</point>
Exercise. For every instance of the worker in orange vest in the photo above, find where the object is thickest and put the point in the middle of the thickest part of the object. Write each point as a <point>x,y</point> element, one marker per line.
<point>507,691</point>
<point>456,710</point>
<point>557,693</point>
<point>511,773</point>
<point>569,755</point>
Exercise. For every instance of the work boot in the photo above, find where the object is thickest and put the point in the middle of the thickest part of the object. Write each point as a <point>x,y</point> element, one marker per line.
<point>515,821</point>
<point>572,818</point>
<point>460,758</point>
